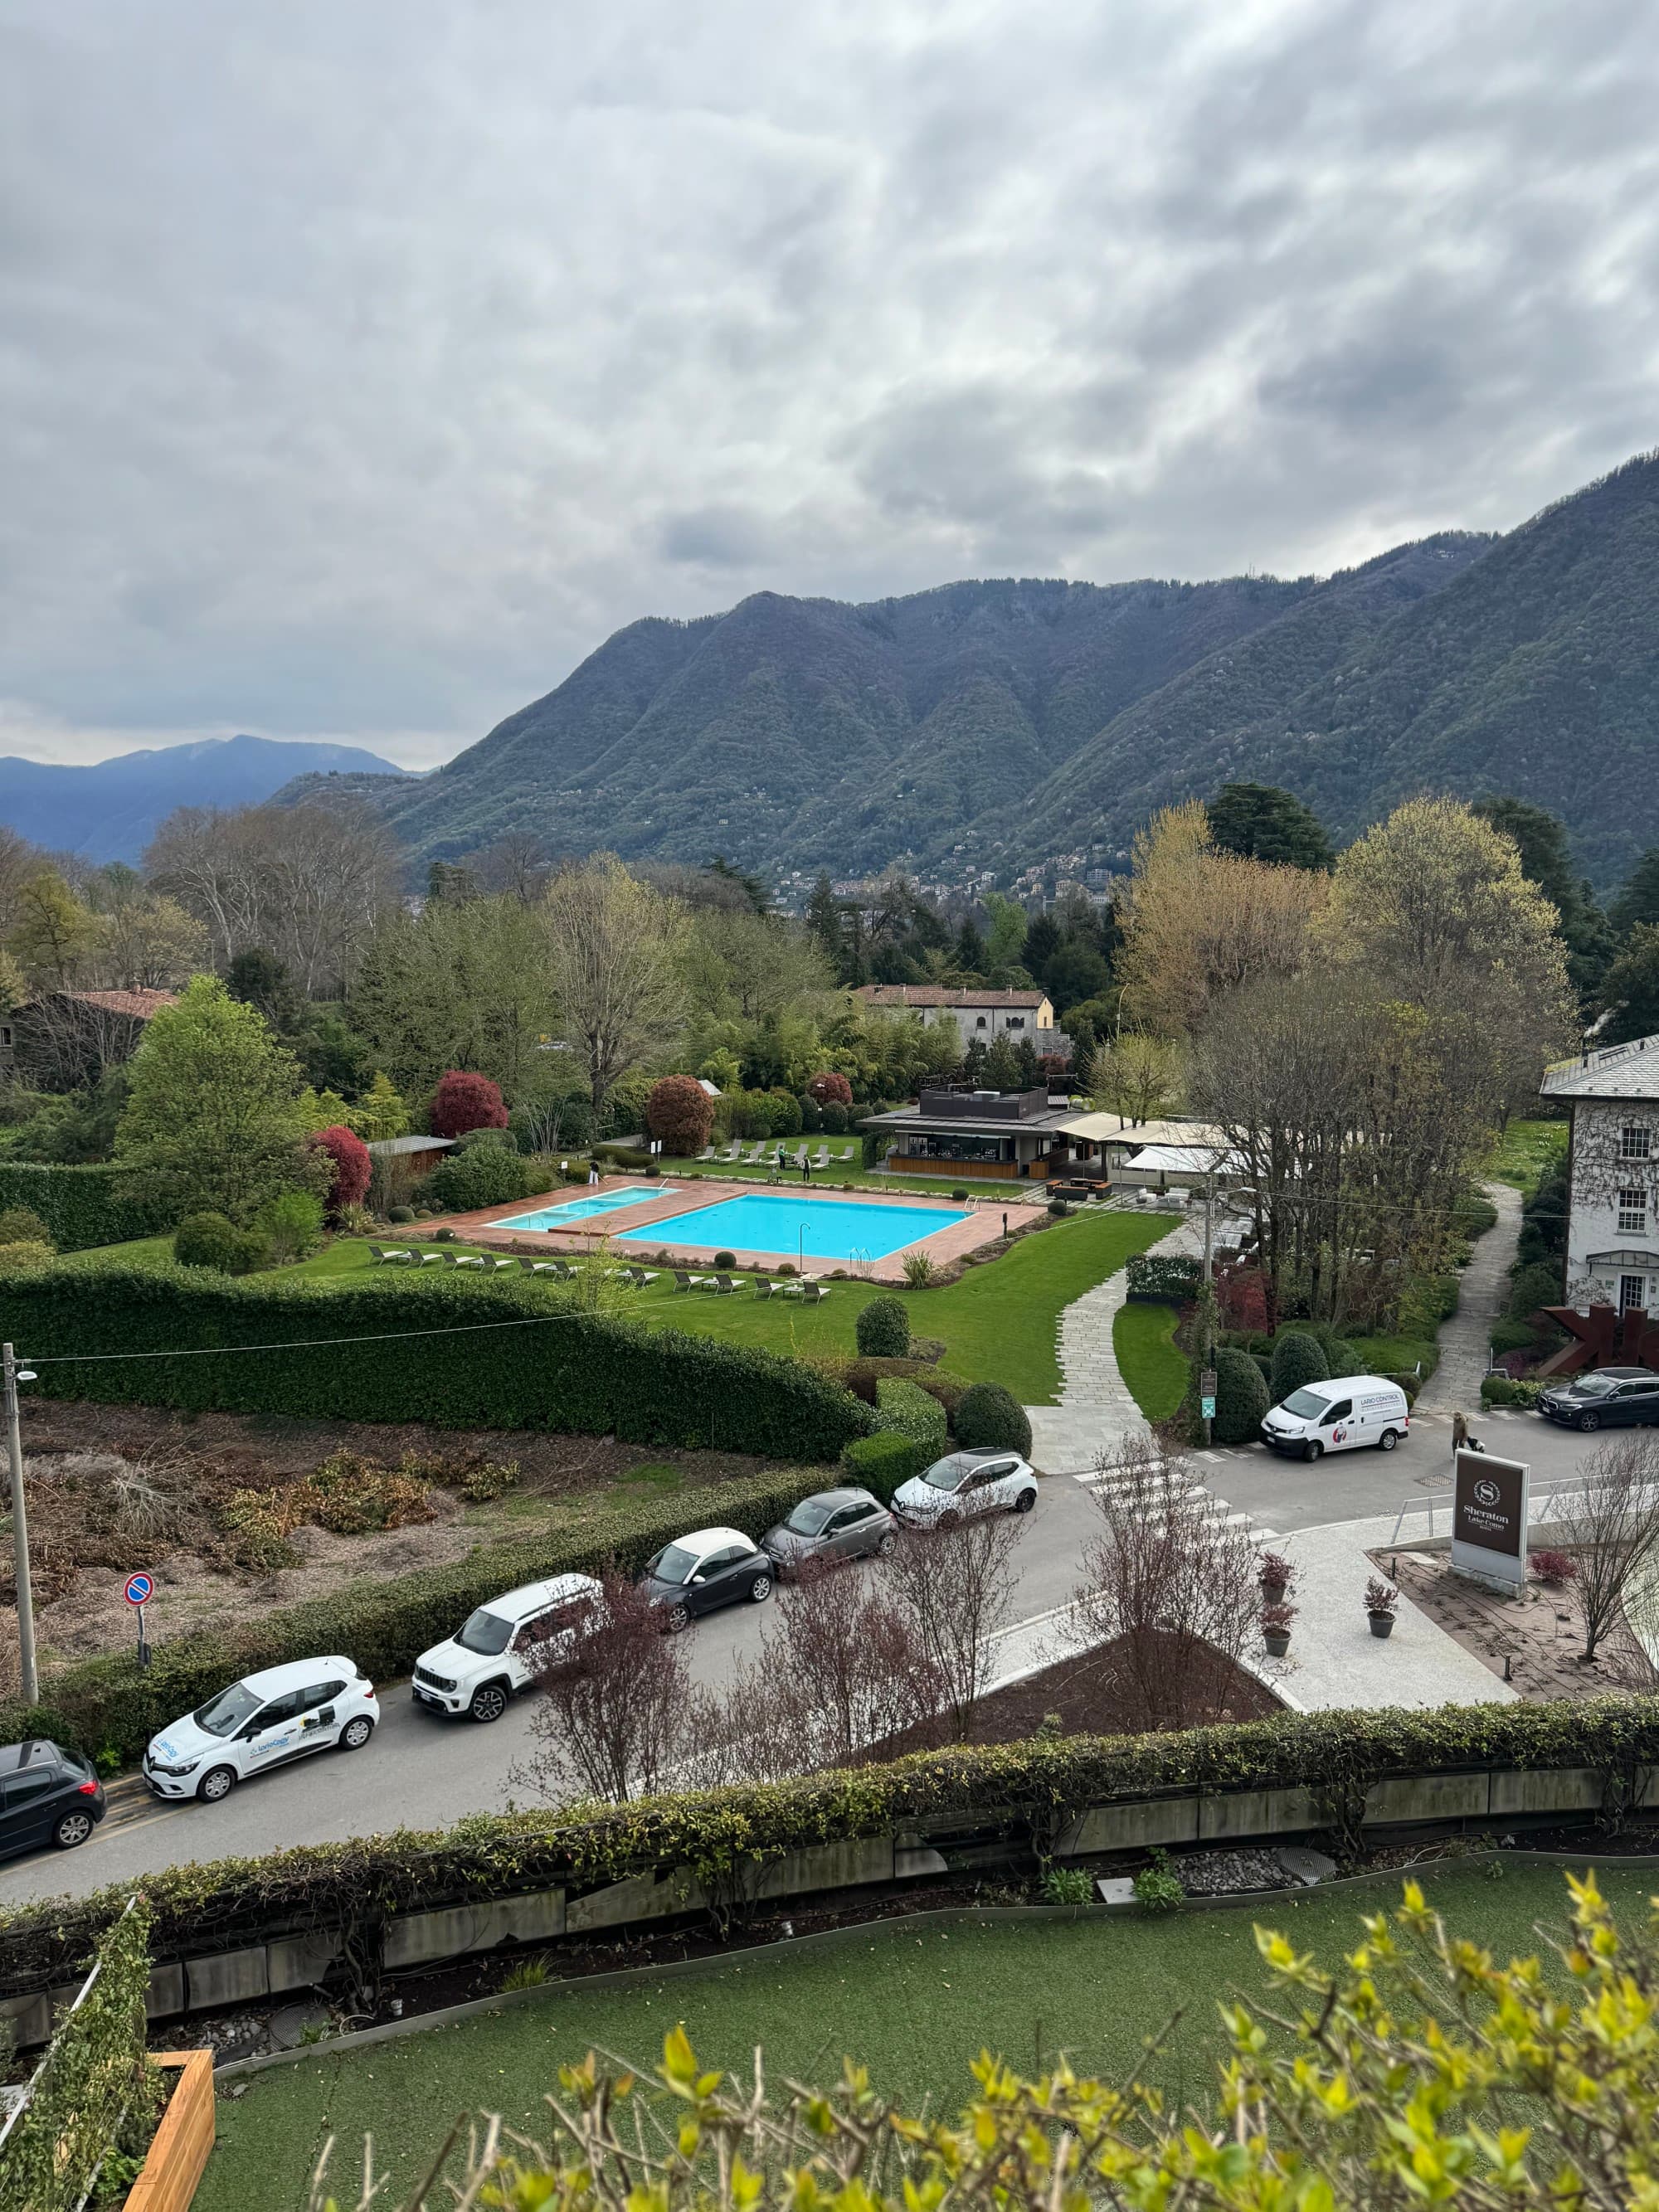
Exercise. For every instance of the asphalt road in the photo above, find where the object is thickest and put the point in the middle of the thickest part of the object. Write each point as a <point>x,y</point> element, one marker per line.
<point>423,1771</point>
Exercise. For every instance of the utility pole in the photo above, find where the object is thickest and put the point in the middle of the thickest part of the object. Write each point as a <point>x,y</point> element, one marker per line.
<point>1206,1377</point>
<point>19,1533</point>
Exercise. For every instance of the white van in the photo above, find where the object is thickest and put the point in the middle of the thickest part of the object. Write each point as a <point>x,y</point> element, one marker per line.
<point>1339,1415</point>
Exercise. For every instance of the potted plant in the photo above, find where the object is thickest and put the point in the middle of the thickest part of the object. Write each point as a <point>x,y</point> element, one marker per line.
<point>1276,1619</point>
<point>1380,1599</point>
<point>1273,1577</point>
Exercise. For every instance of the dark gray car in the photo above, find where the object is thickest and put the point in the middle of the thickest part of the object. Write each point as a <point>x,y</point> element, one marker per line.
<point>1611,1398</point>
<point>832,1524</point>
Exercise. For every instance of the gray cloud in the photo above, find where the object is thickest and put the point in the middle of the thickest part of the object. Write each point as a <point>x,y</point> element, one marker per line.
<point>361,368</point>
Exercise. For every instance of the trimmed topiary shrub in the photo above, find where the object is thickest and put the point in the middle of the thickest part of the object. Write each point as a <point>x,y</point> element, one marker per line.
<point>990,1418</point>
<point>679,1111</point>
<point>883,1329</point>
<point>907,1410</point>
<point>726,1261</point>
<point>1242,1402</point>
<point>1297,1358</point>
<point>834,1116</point>
<point>1167,1277</point>
<point>401,1213</point>
<point>21,1225</point>
<point>209,1240</point>
<point>882,1463</point>
<point>464,1100</point>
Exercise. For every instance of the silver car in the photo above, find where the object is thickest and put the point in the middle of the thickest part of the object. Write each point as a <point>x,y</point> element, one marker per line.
<point>832,1524</point>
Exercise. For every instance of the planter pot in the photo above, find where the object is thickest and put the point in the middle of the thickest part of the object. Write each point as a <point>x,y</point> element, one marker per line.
<point>1273,1593</point>
<point>1381,1624</point>
<point>1278,1641</point>
<point>178,2150</point>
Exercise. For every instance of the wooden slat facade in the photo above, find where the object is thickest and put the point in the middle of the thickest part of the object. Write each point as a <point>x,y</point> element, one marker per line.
<point>180,2151</point>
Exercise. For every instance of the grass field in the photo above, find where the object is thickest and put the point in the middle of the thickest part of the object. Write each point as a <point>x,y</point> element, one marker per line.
<point>1154,1372</point>
<point>1526,1151</point>
<point>916,2006</point>
<point>998,1323</point>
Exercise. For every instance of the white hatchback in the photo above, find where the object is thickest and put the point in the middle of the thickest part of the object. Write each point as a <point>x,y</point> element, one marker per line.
<point>964,1484</point>
<point>263,1720</point>
<point>477,1669</point>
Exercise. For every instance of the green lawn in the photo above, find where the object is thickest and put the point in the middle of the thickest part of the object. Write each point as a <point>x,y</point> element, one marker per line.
<point>998,1323</point>
<point>1143,1337</point>
<point>1526,1151</point>
<point>917,2006</point>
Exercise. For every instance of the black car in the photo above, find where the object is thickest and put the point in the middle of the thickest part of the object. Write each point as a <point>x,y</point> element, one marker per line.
<point>708,1569</point>
<point>47,1795</point>
<point>1613,1397</point>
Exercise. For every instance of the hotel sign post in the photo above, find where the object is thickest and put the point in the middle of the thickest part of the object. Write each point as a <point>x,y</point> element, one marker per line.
<point>1489,1519</point>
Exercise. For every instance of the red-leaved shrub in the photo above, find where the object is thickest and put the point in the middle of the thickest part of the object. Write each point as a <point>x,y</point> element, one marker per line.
<point>681,1112</point>
<point>830,1088</point>
<point>463,1101</point>
<point>350,1153</point>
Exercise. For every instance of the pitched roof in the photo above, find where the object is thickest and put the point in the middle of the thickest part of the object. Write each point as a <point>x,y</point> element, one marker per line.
<point>936,994</point>
<point>1617,1071</point>
<point>140,1005</point>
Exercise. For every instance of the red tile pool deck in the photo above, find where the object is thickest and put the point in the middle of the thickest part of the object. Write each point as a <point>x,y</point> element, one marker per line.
<point>659,1208</point>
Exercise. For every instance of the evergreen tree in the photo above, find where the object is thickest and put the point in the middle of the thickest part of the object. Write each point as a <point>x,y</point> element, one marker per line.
<point>1638,902</point>
<point>1541,840</point>
<point>1263,823</point>
<point>1631,989</point>
<point>970,954</point>
<point>1029,1073</point>
<point>824,923</point>
<point>258,979</point>
<point>1042,941</point>
<point>1002,1066</point>
<point>974,1057</point>
<point>759,898</point>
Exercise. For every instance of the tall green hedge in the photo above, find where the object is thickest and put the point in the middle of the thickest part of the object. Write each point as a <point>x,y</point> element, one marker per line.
<point>79,1205</point>
<point>384,1625</point>
<point>1015,1791</point>
<point>425,1357</point>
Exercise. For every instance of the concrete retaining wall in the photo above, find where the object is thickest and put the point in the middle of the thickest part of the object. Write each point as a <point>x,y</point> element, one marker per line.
<point>300,1960</point>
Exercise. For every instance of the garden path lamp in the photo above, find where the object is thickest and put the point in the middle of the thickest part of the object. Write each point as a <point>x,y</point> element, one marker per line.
<point>29,1682</point>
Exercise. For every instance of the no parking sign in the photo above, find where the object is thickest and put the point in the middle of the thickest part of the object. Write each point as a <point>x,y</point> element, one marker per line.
<point>139,1590</point>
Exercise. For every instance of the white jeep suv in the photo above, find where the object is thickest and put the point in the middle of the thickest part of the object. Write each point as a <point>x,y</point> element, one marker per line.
<point>476,1671</point>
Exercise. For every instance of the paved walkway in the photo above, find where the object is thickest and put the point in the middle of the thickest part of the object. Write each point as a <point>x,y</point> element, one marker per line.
<point>1095,1412</point>
<point>1466,1338</point>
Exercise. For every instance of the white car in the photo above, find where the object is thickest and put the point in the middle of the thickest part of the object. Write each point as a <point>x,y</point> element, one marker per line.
<point>965,1483</point>
<point>264,1720</point>
<point>476,1671</point>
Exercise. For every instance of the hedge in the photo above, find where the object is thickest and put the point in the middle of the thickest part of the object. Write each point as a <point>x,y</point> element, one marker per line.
<point>908,1410</point>
<point>1028,1790</point>
<point>430,1356</point>
<point>1169,1278</point>
<point>384,1625</point>
<point>883,1462</point>
<point>80,1206</point>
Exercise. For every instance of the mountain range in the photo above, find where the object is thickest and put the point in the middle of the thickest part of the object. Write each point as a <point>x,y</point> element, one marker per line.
<point>110,810</point>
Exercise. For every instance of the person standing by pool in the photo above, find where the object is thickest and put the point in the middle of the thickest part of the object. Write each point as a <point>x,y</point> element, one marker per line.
<point>593,1173</point>
<point>805,1169</point>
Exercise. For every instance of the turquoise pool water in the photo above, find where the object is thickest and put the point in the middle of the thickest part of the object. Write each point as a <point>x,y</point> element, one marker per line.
<point>576,1209</point>
<point>815,1228</point>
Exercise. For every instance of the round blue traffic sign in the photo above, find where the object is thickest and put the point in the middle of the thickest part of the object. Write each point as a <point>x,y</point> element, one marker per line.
<point>138,1589</point>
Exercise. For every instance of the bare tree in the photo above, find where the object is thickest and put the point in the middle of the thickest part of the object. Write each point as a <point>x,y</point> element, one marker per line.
<point>954,1587</point>
<point>1610,1526</point>
<point>1169,1589</point>
<point>841,1668</point>
<point>614,1711</point>
<point>614,948</point>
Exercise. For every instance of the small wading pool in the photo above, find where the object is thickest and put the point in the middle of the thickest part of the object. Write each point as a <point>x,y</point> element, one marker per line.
<point>815,1228</point>
<point>575,1209</point>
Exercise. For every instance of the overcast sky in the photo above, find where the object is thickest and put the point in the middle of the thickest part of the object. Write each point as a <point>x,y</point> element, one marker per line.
<point>363,363</point>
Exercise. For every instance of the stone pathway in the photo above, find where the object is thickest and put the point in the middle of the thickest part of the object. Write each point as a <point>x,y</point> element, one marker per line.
<point>1466,1338</point>
<point>1096,1412</point>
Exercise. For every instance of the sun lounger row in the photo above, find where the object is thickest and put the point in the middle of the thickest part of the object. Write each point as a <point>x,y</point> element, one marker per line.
<point>724,1287</point>
<point>402,1255</point>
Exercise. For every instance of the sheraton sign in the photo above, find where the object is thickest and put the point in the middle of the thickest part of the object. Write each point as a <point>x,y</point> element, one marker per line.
<point>1489,1518</point>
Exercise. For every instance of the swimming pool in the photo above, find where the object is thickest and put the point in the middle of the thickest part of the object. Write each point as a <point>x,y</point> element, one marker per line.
<point>576,1209</point>
<point>814,1228</point>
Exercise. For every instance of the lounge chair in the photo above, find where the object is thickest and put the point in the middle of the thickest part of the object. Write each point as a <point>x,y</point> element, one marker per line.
<point>509,1266</point>
<point>684,1282</point>
<point>820,1158</point>
<point>763,1288</point>
<point>706,1153</point>
<point>384,1254</point>
<point>641,1276</point>
<point>464,1260</point>
<point>813,1294</point>
<point>723,1287</point>
<point>546,1266</point>
<point>733,1151</point>
<point>432,1259</point>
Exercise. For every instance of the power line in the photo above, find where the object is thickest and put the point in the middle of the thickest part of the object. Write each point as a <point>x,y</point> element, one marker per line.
<point>298,1343</point>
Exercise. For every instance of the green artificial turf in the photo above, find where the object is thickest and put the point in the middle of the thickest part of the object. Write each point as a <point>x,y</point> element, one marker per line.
<point>999,1323</point>
<point>1153,1372</point>
<point>916,2005</point>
